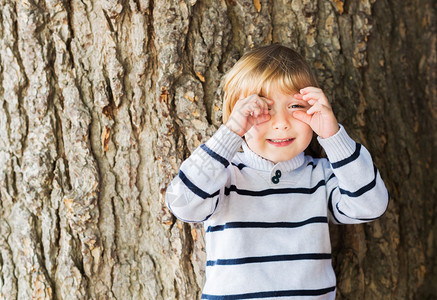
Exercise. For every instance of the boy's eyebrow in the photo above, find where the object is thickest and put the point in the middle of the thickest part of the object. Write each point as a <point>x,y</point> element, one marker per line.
<point>292,100</point>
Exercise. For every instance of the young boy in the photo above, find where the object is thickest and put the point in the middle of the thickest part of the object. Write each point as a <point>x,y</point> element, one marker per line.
<point>266,209</point>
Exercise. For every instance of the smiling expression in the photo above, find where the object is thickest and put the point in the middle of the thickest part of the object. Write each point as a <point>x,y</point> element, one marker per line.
<point>282,137</point>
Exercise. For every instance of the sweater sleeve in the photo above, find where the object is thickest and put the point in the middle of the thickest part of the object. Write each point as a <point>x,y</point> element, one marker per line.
<point>193,195</point>
<point>356,192</point>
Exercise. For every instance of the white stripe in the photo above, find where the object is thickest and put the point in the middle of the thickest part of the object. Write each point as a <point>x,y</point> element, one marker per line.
<point>269,276</point>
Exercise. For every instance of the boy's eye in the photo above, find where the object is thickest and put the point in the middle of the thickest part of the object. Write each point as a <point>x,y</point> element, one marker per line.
<point>296,106</point>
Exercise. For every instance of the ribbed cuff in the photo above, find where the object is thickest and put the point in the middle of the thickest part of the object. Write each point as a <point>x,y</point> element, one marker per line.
<point>339,146</point>
<point>225,142</point>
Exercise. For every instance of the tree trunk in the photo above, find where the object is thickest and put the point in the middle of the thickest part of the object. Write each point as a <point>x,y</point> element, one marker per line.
<point>101,101</point>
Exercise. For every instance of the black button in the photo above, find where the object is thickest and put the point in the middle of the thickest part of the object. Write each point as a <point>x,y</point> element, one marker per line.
<point>275,179</point>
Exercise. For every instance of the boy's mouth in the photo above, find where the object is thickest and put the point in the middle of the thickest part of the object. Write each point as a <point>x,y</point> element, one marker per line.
<point>280,142</point>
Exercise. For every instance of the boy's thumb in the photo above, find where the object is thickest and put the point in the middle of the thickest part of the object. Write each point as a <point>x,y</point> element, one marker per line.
<point>302,116</point>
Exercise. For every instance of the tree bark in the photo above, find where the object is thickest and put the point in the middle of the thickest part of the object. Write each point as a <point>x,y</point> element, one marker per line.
<point>101,101</point>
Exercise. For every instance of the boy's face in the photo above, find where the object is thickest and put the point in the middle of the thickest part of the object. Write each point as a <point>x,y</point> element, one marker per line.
<point>282,137</point>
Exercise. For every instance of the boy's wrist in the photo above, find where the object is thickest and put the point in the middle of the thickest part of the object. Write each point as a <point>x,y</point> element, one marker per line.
<point>225,142</point>
<point>338,146</point>
<point>331,131</point>
<point>235,128</point>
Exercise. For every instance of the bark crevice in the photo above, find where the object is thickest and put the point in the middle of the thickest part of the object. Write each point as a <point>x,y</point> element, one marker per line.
<point>100,102</point>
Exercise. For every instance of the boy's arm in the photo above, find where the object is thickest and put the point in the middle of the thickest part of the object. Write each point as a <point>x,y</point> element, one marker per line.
<point>193,195</point>
<point>356,192</point>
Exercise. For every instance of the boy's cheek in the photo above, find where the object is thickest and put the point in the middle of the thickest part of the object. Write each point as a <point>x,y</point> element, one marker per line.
<point>255,132</point>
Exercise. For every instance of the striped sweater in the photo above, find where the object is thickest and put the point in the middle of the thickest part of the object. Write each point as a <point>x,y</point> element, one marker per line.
<point>267,224</point>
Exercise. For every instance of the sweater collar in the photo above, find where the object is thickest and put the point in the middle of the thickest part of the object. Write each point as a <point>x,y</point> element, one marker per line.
<point>255,161</point>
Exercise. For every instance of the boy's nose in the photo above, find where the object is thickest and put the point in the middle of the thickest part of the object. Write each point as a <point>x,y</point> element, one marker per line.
<point>281,121</point>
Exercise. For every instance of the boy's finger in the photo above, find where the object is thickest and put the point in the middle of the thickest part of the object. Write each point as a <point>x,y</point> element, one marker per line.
<point>317,107</point>
<point>256,112</point>
<point>319,97</point>
<point>302,116</point>
<point>264,105</point>
<point>298,96</point>
<point>266,101</point>
<point>310,89</point>
<point>312,102</point>
<point>262,118</point>
<point>312,95</point>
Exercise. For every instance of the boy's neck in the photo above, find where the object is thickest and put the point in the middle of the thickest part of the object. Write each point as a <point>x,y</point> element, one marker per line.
<point>258,162</point>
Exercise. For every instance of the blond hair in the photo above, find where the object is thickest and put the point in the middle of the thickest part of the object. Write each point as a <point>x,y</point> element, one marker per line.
<point>260,69</point>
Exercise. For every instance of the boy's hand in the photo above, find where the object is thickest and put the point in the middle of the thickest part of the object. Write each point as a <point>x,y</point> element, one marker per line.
<point>319,116</point>
<point>248,112</point>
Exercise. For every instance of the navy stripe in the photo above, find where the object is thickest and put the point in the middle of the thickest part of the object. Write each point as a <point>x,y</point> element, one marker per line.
<point>351,158</point>
<point>331,208</point>
<point>215,208</point>
<point>232,225</point>
<point>360,219</point>
<point>266,192</point>
<point>216,156</point>
<point>202,194</point>
<point>191,221</point>
<point>365,219</point>
<point>362,190</point>
<point>311,164</point>
<point>330,177</point>
<point>270,294</point>
<point>194,221</point>
<point>239,166</point>
<point>263,259</point>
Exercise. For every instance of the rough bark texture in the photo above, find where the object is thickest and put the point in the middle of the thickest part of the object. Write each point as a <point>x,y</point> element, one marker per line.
<point>100,102</point>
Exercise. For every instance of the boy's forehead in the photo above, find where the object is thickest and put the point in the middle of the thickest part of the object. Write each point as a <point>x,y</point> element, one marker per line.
<point>279,94</point>
<point>277,87</point>
<point>268,88</point>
